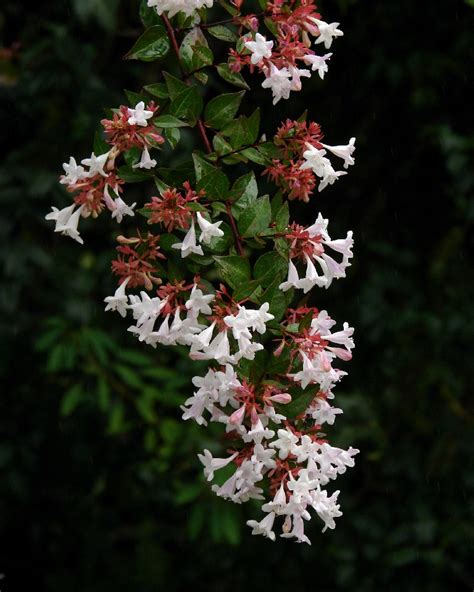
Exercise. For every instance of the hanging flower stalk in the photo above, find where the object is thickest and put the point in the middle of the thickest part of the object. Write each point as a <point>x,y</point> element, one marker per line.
<point>220,269</point>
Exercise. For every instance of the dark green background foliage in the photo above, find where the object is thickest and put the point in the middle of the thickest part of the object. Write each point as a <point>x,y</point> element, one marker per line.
<point>100,484</point>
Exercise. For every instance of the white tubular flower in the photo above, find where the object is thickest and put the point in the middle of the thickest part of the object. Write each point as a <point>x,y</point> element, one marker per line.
<point>278,504</point>
<point>139,115</point>
<point>263,527</point>
<point>208,229</point>
<point>327,32</point>
<point>146,162</point>
<point>315,160</point>
<point>198,303</point>
<point>119,301</point>
<point>344,152</point>
<point>189,245</point>
<point>96,164</point>
<point>312,278</point>
<point>74,172</point>
<point>67,221</point>
<point>285,443</point>
<point>326,507</point>
<point>318,63</point>
<point>279,81</point>
<point>121,209</point>
<point>298,531</point>
<point>213,464</point>
<point>260,48</point>
<point>324,413</point>
<point>172,7</point>
<point>296,75</point>
<point>293,278</point>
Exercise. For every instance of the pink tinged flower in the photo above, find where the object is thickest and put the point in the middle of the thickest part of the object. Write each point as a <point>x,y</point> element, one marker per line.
<point>278,505</point>
<point>318,63</point>
<point>209,230</point>
<point>260,48</point>
<point>264,527</point>
<point>96,164</point>
<point>213,464</point>
<point>119,300</point>
<point>238,416</point>
<point>282,398</point>
<point>296,75</point>
<point>327,32</point>
<point>189,245</point>
<point>293,278</point>
<point>121,209</point>
<point>279,81</point>
<point>298,531</point>
<point>325,413</point>
<point>146,162</point>
<point>264,456</point>
<point>326,507</point>
<point>345,152</point>
<point>285,443</point>
<point>258,432</point>
<point>139,115</point>
<point>67,221</point>
<point>74,172</point>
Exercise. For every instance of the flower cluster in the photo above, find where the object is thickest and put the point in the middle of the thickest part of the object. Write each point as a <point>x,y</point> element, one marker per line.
<point>270,440</point>
<point>303,164</point>
<point>219,269</point>
<point>288,59</point>
<point>95,183</point>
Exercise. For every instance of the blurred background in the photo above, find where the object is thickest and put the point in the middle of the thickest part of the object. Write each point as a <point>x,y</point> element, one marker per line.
<point>100,486</point>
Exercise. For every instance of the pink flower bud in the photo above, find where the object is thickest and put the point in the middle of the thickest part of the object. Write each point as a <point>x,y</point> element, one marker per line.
<point>283,398</point>
<point>238,416</point>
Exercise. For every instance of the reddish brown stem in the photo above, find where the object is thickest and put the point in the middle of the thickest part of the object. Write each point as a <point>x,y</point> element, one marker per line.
<point>201,129</point>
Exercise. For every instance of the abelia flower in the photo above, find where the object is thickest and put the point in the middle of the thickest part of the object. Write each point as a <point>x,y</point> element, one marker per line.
<point>189,245</point>
<point>209,230</point>
<point>172,7</point>
<point>139,115</point>
<point>280,83</point>
<point>327,32</point>
<point>96,164</point>
<point>260,48</point>
<point>74,172</point>
<point>67,221</point>
<point>318,63</point>
<point>145,162</point>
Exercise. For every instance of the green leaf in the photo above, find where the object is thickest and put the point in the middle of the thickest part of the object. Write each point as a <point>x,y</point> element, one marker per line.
<point>194,51</point>
<point>223,33</point>
<point>220,110</point>
<point>269,268</point>
<point>152,45</point>
<point>232,77</point>
<point>214,182</point>
<point>173,135</point>
<point>275,298</point>
<point>255,218</point>
<point>234,270</point>
<point>71,400</point>
<point>255,156</point>
<point>244,192</point>
<point>148,15</point>
<point>159,89</point>
<point>169,121</point>
<point>100,145</point>
<point>282,217</point>
<point>301,401</point>
<point>130,175</point>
